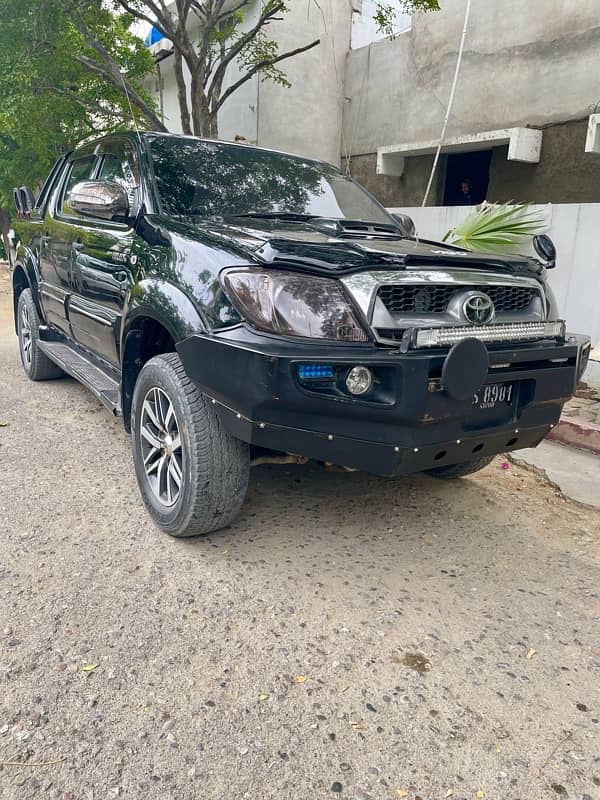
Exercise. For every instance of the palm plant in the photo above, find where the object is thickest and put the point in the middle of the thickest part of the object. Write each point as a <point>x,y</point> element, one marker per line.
<point>497,228</point>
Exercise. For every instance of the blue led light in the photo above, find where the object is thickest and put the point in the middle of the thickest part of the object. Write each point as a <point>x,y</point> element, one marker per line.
<point>315,371</point>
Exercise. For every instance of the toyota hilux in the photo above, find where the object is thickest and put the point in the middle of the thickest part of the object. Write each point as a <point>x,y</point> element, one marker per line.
<point>234,305</point>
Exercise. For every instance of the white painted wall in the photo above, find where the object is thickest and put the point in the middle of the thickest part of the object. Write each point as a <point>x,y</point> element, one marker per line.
<point>239,115</point>
<point>574,230</point>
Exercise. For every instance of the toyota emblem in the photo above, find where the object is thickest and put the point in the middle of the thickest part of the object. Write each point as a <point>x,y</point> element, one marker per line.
<point>479,309</point>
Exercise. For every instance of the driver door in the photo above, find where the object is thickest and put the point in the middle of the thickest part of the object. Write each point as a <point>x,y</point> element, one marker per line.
<point>103,273</point>
<point>55,246</point>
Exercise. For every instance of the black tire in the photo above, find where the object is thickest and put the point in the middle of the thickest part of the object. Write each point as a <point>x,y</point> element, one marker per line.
<point>460,470</point>
<point>213,466</point>
<point>37,365</point>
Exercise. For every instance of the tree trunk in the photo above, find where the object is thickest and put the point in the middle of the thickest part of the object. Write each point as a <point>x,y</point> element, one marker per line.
<point>205,122</point>
<point>184,111</point>
<point>213,127</point>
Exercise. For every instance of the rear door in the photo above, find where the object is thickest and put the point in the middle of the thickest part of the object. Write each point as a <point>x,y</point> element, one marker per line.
<point>102,268</point>
<point>55,245</point>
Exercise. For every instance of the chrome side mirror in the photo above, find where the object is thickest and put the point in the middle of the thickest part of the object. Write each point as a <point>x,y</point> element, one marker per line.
<point>27,199</point>
<point>406,224</point>
<point>24,201</point>
<point>544,247</point>
<point>103,199</point>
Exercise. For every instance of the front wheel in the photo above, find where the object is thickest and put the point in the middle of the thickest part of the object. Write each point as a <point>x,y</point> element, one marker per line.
<point>192,473</point>
<point>36,364</point>
<point>460,470</point>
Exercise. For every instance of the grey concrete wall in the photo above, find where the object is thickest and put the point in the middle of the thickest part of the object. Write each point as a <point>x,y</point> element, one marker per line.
<point>525,63</point>
<point>307,118</point>
<point>408,189</point>
<point>565,174</point>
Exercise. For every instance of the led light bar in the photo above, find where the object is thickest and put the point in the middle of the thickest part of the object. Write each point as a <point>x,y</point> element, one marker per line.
<point>511,332</point>
<point>315,371</point>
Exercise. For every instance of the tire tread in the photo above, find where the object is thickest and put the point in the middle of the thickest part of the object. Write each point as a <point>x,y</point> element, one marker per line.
<point>222,461</point>
<point>42,367</point>
<point>461,470</point>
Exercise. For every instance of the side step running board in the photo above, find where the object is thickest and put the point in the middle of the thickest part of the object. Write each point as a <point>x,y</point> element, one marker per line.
<point>74,362</point>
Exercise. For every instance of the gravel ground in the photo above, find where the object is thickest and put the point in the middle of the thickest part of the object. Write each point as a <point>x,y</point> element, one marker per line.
<point>348,637</point>
<point>586,406</point>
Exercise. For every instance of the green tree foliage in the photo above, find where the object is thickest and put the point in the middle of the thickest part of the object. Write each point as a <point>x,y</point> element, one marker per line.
<point>386,14</point>
<point>57,88</point>
<point>70,68</point>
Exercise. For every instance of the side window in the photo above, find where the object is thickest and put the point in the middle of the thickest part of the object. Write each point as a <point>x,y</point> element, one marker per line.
<point>79,170</point>
<point>49,184</point>
<point>121,166</point>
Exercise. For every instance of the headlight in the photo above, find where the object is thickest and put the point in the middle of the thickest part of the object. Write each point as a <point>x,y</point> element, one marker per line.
<point>294,305</point>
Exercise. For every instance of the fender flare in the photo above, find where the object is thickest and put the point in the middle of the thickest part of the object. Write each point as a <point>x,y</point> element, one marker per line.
<point>25,262</point>
<point>166,304</point>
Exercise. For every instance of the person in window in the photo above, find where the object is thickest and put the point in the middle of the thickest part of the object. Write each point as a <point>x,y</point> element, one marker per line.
<point>464,195</point>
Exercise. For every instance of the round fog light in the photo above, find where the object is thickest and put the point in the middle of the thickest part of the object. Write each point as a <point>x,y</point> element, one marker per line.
<point>359,380</point>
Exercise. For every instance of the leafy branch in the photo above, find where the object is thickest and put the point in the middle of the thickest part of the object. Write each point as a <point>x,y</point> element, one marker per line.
<point>386,14</point>
<point>496,228</point>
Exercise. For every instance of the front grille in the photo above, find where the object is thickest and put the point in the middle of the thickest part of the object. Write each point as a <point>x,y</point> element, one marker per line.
<point>508,299</point>
<point>403,299</point>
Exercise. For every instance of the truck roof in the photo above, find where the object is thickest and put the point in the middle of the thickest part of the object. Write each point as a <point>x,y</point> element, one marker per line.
<point>147,135</point>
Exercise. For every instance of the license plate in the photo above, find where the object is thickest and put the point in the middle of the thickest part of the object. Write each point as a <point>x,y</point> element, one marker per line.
<point>494,395</point>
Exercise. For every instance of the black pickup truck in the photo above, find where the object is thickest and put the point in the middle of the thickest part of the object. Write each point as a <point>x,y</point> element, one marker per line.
<point>236,304</point>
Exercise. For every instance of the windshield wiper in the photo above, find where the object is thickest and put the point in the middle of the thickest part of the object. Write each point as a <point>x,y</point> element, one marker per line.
<point>338,224</point>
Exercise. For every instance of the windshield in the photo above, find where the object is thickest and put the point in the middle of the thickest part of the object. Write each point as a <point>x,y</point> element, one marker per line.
<point>207,179</point>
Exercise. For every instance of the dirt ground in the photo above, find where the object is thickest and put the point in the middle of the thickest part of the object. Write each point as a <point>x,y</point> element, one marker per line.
<point>348,637</point>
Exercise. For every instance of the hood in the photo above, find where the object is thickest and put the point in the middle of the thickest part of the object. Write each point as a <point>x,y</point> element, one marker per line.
<point>339,247</point>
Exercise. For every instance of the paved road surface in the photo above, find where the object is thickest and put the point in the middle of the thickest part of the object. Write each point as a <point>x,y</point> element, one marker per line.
<point>349,637</point>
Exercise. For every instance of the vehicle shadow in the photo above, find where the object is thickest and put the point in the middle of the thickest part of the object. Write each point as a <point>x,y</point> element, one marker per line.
<point>336,514</point>
<point>311,506</point>
<point>298,508</point>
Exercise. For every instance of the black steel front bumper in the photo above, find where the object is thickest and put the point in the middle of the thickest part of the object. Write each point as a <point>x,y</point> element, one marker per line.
<point>414,425</point>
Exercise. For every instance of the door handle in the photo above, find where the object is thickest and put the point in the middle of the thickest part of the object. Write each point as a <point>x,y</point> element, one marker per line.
<point>78,246</point>
<point>124,281</point>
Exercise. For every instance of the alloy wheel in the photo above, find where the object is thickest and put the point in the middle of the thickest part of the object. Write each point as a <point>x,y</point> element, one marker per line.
<point>25,336</point>
<point>162,451</point>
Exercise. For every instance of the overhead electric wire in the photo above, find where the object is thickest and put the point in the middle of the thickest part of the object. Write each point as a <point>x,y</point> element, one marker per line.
<point>357,119</point>
<point>450,102</point>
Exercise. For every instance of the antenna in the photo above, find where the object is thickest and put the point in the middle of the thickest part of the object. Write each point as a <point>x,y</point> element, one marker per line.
<point>135,127</point>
